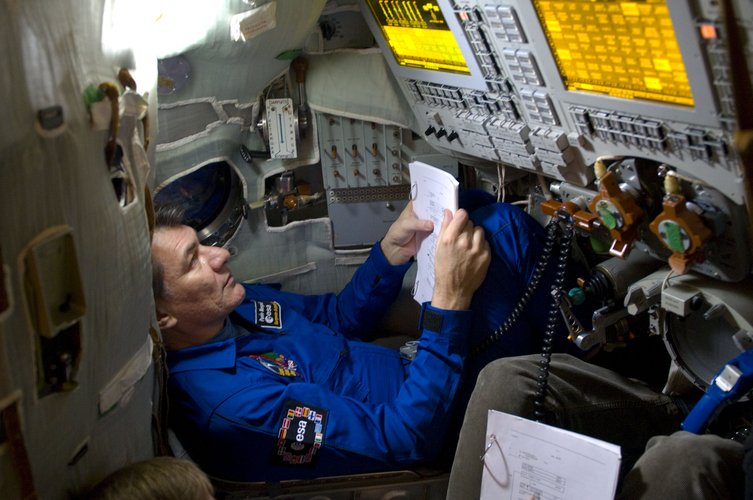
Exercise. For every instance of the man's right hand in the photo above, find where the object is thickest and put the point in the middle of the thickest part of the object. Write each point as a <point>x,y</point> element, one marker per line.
<point>461,261</point>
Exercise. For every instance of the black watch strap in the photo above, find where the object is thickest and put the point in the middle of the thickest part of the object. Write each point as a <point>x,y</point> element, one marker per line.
<point>431,320</point>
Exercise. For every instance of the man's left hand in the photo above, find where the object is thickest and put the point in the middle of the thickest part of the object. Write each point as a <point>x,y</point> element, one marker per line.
<point>399,244</point>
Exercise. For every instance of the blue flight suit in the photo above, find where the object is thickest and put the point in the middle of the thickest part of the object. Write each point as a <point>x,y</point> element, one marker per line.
<point>297,395</point>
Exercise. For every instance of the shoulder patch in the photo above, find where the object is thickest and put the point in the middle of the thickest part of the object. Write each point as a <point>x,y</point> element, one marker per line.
<point>268,313</point>
<point>301,433</point>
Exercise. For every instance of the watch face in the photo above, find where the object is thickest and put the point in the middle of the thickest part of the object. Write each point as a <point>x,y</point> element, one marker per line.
<point>172,75</point>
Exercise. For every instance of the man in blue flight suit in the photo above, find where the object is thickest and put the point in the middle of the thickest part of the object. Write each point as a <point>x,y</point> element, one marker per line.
<point>267,385</point>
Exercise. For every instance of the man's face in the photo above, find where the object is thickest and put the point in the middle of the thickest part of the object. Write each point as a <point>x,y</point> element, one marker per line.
<point>199,289</point>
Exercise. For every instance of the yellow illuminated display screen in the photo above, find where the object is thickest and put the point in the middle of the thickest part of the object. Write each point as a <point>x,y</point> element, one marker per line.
<point>418,35</point>
<point>623,49</point>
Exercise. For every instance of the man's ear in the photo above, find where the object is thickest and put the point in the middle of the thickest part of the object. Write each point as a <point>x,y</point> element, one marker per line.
<point>165,320</point>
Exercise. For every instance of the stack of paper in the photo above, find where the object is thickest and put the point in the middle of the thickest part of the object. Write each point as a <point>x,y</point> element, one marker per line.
<point>529,460</point>
<point>432,190</point>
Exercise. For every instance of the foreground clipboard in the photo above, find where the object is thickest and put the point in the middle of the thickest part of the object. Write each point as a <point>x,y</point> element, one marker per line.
<point>528,460</point>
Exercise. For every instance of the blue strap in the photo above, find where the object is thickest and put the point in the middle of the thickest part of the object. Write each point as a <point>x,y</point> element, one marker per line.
<point>732,382</point>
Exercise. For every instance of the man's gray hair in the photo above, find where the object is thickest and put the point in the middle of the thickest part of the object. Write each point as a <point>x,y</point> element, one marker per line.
<point>165,216</point>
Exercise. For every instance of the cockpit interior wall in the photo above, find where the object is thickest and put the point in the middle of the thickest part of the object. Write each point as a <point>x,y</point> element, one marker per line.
<point>290,145</point>
<point>75,350</point>
<point>208,121</point>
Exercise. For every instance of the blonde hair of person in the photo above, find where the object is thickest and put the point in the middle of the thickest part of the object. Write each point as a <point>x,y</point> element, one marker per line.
<point>159,478</point>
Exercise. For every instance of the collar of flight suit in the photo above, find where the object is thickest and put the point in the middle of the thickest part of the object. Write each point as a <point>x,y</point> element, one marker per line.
<point>208,356</point>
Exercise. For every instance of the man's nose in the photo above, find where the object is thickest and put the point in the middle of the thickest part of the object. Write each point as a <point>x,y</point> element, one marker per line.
<point>216,256</point>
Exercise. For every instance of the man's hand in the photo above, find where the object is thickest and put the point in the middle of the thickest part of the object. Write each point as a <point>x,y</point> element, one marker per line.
<point>399,244</point>
<point>460,263</point>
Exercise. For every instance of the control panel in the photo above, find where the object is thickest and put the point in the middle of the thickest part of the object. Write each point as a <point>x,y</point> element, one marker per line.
<point>628,104</point>
<point>364,175</point>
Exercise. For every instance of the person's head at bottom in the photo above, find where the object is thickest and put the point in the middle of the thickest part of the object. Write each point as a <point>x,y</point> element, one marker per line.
<point>159,478</point>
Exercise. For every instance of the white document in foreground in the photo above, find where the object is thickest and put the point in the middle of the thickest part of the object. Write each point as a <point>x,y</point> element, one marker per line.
<point>432,190</point>
<point>527,460</point>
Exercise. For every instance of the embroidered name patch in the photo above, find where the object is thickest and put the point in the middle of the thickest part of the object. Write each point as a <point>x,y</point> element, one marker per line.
<point>277,363</point>
<point>301,433</point>
<point>268,313</point>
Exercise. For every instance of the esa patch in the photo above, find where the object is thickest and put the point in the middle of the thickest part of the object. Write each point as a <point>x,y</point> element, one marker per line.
<point>277,363</point>
<point>268,313</point>
<point>301,433</point>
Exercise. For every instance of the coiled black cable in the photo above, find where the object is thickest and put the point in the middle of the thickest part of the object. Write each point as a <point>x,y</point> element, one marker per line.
<point>553,230</point>
<point>542,379</point>
<point>538,272</point>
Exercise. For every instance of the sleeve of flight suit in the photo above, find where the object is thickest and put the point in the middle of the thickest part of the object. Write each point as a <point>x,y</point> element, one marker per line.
<point>361,304</point>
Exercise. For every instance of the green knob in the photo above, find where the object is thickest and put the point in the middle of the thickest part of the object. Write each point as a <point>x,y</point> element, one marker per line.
<point>577,296</point>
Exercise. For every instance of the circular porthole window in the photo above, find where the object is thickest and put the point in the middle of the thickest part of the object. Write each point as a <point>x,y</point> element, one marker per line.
<point>212,199</point>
